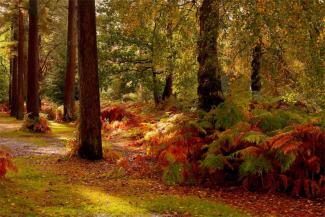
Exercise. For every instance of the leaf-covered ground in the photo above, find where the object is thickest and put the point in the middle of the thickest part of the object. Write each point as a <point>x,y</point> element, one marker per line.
<point>50,184</point>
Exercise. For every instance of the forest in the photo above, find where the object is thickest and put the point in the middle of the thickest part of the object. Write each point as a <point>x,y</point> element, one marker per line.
<point>162,108</point>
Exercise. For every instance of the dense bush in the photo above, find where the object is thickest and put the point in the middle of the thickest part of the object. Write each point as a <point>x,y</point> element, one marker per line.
<point>266,150</point>
<point>36,124</point>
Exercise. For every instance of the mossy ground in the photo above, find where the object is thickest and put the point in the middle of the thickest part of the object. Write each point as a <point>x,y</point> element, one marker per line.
<point>57,186</point>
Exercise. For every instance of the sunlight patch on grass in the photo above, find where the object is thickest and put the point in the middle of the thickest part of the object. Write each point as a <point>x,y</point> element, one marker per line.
<point>112,205</point>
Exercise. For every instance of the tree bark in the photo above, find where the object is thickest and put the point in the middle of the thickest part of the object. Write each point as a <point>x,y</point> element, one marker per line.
<point>10,83</point>
<point>168,90</point>
<point>21,64</point>
<point>209,75</point>
<point>69,103</point>
<point>256,84</point>
<point>33,106</point>
<point>90,141</point>
<point>14,85</point>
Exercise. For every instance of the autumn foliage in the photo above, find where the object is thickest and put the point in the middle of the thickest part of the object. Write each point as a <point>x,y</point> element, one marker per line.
<point>5,163</point>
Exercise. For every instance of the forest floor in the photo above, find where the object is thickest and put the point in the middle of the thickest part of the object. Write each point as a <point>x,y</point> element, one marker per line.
<point>49,183</point>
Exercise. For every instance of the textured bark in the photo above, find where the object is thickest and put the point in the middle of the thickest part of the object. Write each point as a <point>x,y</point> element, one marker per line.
<point>21,65</point>
<point>33,106</point>
<point>10,82</point>
<point>168,90</point>
<point>90,141</point>
<point>69,103</point>
<point>14,84</point>
<point>256,84</point>
<point>209,75</point>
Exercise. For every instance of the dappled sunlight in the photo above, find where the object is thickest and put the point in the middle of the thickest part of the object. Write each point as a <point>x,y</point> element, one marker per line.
<point>103,202</point>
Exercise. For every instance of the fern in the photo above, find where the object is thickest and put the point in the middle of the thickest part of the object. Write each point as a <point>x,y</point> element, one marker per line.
<point>255,166</point>
<point>212,161</point>
<point>225,116</point>
<point>285,160</point>
<point>255,137</point>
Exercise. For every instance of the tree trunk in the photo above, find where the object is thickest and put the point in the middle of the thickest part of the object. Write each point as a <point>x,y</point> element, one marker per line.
<point>21,64</point>
<point>14,85</point>
<point>90,141</point>
<point>168,91</point>
<point>155,87</point>
<point>256,68</point>
<point>69,103</point>
<point>209,75</point>
<point>10,83</point>
<point>33,106</point>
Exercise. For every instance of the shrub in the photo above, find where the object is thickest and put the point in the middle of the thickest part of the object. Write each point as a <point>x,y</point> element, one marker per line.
<point>292,161</point>
<point>59,114</point>
<point>5,163</point>
<point>270,121</point>
<point>225,116</point>
<point>36,124</point>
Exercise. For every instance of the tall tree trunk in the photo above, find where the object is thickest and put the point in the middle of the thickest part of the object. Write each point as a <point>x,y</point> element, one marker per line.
<point>168,91</point>
<point>21,64</point>
<point>33,106</point>
<point>209,75</point>
<point>256,84</point>
<point>14,85</point>
<point>69,103</point>
<point>10,83</point>
<point>90,141</point>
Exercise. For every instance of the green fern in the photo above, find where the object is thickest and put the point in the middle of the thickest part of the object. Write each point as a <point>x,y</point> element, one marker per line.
<point>214,161</point>
<point>273,120</point>
<point>225,116</point>
<point>255,137</point>
<point>173,174</point>
<point>286,160</point>
<point>255,165</point>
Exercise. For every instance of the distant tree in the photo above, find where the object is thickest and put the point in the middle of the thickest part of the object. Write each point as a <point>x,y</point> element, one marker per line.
<point>14,74</point>
<point>256,84</point>
<point>21,64</point>
<point>69,104</point>
<point>209,75</point>
<point>90,141</point>
<point>33,106</point>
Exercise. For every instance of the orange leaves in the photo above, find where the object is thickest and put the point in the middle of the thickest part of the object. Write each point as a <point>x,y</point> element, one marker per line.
<point>5,163</point>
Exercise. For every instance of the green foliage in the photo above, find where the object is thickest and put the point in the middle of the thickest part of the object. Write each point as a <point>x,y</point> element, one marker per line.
<point>225,116</point>
<point>255,165</point>
<point>173,174</point>
<point>212,161</point>
<point>255,137</point>
<point>276,119</point>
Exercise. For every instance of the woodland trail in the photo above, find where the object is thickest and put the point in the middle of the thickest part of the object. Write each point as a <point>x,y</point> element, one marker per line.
<point>48,183</point>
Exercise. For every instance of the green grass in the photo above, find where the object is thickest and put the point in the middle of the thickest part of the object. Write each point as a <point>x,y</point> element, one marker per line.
<point>37,190</point>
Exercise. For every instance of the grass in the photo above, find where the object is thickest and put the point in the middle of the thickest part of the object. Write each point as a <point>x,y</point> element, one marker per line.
<point>38,189</point>
<point>44,187</point>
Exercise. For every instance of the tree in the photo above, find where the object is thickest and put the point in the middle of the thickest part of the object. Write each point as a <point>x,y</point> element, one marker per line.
<point>69,104</point>
<point>90,141</point>
<point>209,75</point>
<point>21,63</point>
<point>33,106</point>
<point>256,68</point>
<point>14,74</point>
